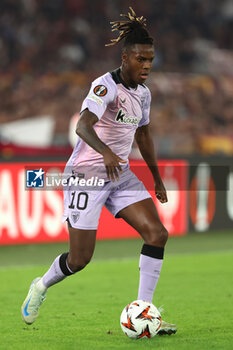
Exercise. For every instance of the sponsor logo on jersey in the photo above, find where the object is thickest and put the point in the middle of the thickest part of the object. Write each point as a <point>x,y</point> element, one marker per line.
<point>122,118</point>
<point>100,90</point>
<point>95,98</point>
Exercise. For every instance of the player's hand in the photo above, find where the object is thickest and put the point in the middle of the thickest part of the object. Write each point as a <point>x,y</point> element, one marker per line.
<point>160,191</point>
<point>111,162</point>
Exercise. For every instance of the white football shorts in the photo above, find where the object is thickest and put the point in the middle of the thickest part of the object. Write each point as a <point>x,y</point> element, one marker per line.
<point>83,204</point>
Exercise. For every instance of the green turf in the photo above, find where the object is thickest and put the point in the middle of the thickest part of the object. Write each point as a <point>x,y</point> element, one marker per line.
<point>39,254</point>
<point>83,311</point>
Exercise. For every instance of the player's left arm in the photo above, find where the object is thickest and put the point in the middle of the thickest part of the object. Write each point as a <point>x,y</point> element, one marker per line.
<point>146,147</point>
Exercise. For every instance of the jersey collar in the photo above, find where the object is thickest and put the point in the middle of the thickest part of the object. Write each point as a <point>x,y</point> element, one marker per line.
<point>118,80</point>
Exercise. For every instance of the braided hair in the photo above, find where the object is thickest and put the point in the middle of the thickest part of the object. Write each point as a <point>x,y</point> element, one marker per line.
<point>132,30</point>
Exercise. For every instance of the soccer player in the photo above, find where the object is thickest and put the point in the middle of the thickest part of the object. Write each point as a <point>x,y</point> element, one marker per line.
<point>115,111</point>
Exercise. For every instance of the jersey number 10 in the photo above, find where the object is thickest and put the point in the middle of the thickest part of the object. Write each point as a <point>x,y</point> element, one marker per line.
<point>82,200</point>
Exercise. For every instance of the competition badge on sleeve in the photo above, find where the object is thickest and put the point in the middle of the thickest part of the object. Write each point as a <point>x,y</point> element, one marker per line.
<point>100,90</point>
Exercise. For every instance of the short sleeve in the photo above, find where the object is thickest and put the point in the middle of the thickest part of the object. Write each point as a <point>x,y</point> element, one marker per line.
<point>103,91</point>
<point>146,110</point>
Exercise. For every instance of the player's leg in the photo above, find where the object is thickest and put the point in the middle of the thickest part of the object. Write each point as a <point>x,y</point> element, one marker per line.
<point>143,217</point>
<point>82,244</point>
<point>82,209</point>
<point>81,248</point>
<point>132,202</point>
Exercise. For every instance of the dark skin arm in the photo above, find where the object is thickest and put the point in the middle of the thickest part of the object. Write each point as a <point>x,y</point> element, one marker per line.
<point>85,130</point>
<point>146,147</point>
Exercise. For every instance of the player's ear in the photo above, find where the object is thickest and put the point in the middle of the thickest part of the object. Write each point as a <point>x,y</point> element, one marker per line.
<point>124,57</point>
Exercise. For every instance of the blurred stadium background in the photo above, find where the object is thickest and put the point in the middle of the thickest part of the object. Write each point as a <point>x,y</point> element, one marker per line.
<point>50,51</point>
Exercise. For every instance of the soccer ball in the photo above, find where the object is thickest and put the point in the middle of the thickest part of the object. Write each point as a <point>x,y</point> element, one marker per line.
<point>140,319</point>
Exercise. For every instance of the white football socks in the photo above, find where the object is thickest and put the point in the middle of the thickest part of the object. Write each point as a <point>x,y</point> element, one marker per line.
<point>54,274</point>
<point>149,274</point>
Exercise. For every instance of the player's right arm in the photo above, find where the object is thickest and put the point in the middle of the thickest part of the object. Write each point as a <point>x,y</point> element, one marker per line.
<point>103,91</point>
<point>86,131</point>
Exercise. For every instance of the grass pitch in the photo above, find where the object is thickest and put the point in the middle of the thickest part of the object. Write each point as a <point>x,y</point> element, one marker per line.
<point>82,312</point>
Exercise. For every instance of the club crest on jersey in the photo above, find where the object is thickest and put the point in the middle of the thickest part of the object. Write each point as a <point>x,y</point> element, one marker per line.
<point>100,90</point>
<point>122,118</point>
<point>75,216</point>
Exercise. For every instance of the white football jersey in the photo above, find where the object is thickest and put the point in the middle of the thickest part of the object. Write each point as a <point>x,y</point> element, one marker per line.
<point>120,110</point>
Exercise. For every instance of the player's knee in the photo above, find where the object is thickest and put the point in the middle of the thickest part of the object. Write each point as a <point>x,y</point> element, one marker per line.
<point>79,263</point>
<point>157,235</point>
<point>163,236</point>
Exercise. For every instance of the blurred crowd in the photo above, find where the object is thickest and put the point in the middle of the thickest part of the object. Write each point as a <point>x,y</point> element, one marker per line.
<point>57,35</point>
<point>50,51</point>
<point>192,113</point>
<point>189,112</point>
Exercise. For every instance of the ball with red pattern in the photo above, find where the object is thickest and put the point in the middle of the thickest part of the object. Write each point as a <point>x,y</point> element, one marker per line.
<point>140,319</point>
